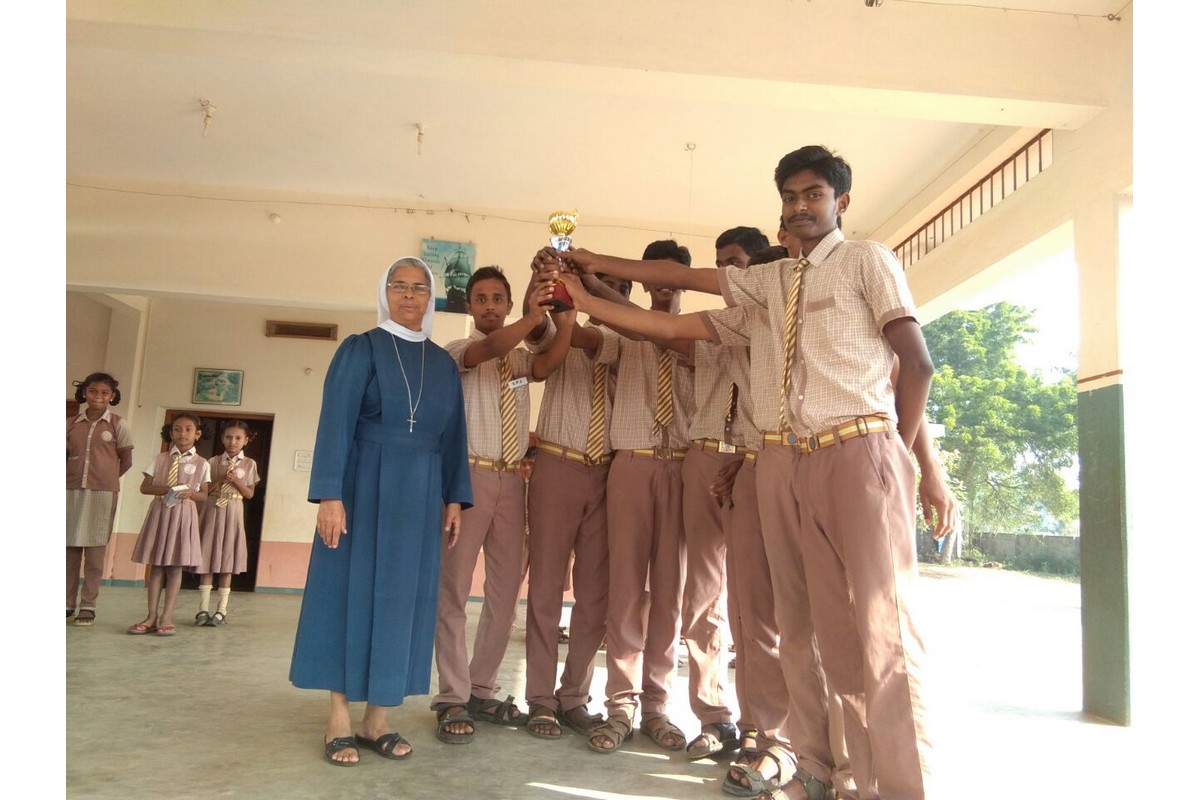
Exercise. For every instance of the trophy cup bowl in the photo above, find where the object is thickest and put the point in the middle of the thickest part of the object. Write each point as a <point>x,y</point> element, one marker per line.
<point>562,225</point>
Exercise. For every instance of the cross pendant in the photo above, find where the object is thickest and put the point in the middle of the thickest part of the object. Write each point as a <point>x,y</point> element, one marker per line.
<point>411,422</point>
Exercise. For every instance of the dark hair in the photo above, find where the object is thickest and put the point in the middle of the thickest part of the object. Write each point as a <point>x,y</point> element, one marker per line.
<point>483,273</point>
<point>166,429</point>
<point>832,168</point>
<point>768,254</point>
<point>97,377</point>
<point>626,284</point>
<point>668,249</point>
<point>237,423</point>
<point>751,240</point>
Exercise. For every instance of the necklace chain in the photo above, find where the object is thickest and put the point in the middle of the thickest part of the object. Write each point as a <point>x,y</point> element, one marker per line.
<point>412,409</point>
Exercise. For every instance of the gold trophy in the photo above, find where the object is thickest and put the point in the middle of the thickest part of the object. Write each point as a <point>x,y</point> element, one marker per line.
<point>562,225</point>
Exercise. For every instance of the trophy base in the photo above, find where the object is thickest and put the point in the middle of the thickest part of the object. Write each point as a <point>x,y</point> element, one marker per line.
<point>561,299</point>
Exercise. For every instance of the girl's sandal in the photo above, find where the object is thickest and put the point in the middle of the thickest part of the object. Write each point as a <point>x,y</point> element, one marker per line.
<point>166,630</point>
<point>662,731</point>
<point>202,618</point>
<point>616,731</point>
<point>141,629</point>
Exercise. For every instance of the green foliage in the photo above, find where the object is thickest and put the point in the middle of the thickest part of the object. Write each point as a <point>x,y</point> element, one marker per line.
<point>1010,433</point>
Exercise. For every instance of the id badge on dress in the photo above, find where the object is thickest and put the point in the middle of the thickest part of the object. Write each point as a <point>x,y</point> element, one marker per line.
<point>517,383</point>
<point>725,447</point>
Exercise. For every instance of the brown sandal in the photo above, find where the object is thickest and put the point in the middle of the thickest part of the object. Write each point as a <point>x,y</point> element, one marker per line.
<point>616,731</point>
<point>579,720</point>
<point>545,719</point>
<point>660,728</point>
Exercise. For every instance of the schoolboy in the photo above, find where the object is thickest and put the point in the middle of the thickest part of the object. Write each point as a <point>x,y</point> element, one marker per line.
<point>495,375</point>
<point>651,413</point>
<point>568,514</point>
<point>717,437</point>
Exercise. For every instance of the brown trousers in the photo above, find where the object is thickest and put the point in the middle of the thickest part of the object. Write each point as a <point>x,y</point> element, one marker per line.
<point>566,512</point>
<point>645,547</point>
<point>92,559</point>
<point>852,510</point>
<point>703,619</point>
<point>758,680</point>
<point>495,523</point>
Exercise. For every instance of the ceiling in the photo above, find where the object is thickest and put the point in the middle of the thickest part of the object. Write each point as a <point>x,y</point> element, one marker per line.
<point>671,114</point>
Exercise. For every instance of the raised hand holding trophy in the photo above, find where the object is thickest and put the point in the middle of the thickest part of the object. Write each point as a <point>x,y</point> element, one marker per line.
<point>562,225</point>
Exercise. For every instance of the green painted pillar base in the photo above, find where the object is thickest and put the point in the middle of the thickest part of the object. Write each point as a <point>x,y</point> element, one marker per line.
<point>1104,554</point>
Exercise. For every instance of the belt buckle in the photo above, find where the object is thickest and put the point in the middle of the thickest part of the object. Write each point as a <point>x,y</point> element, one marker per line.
<point>790,438</point>
<point>499,465</point>
<point>725,447</point>
<point>814,443</point>
<point>662,452</point>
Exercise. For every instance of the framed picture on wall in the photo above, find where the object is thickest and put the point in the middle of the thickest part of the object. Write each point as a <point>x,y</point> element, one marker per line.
<point>452,264</point>
<point>217,387</point>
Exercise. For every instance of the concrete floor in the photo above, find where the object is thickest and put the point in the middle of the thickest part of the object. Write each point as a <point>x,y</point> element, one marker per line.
<point>209,712</point>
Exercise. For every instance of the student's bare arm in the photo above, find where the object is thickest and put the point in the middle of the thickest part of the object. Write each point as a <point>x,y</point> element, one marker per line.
<point>545,363</point>
<point>933,490</point>
<point>500,342</point>
<point>663,272</point>
<point>124,460</point>
<point>913,377</point>
<point>657,325</point>
<point>149,488</point>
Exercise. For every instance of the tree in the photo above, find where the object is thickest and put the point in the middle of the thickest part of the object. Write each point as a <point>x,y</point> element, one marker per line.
<point>1010,434</point>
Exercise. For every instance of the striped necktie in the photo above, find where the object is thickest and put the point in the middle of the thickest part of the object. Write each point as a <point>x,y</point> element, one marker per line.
<point>228,490</point>
<point>510,448</point>
<point>595,437</point>
<point>731,410</point>
<point>173,472</point>
<point>791,315</point>
<point>664,409</point>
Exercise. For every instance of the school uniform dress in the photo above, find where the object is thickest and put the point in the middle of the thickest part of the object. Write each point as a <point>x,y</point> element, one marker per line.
<point>170,536</point>
<point>721,376</point>
<point>645,528</point>
<point>223,524</point>
<point>370,604</point>
<point>496,524</point>
<point>838,477</point>
<point>93,483</point>
<point>567,512</point>
<point>765,695</point>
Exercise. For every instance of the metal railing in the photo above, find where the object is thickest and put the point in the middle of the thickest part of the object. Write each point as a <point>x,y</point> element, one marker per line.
<point>1027,163</point>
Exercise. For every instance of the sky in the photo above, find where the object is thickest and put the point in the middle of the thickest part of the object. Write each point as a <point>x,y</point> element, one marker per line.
<point>1051,290</point>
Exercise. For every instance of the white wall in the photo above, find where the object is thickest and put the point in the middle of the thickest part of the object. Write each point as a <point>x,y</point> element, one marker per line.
<point>87,338</point>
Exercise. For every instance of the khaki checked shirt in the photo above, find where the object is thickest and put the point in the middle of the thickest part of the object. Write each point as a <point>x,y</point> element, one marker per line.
<point>747,329</point>
<point>716,366</point>
<point>637,394</point>
<point>481,397</point>
<point>842,365</point>
<point>567,400</point>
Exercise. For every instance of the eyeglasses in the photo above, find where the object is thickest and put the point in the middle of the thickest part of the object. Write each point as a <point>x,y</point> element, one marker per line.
<point>418,289</point>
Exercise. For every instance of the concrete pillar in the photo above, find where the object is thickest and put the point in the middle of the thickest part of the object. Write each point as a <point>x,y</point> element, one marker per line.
<point>1104,552</point>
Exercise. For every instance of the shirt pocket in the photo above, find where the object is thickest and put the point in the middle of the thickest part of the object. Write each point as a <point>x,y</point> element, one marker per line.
<point>822,304</point>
